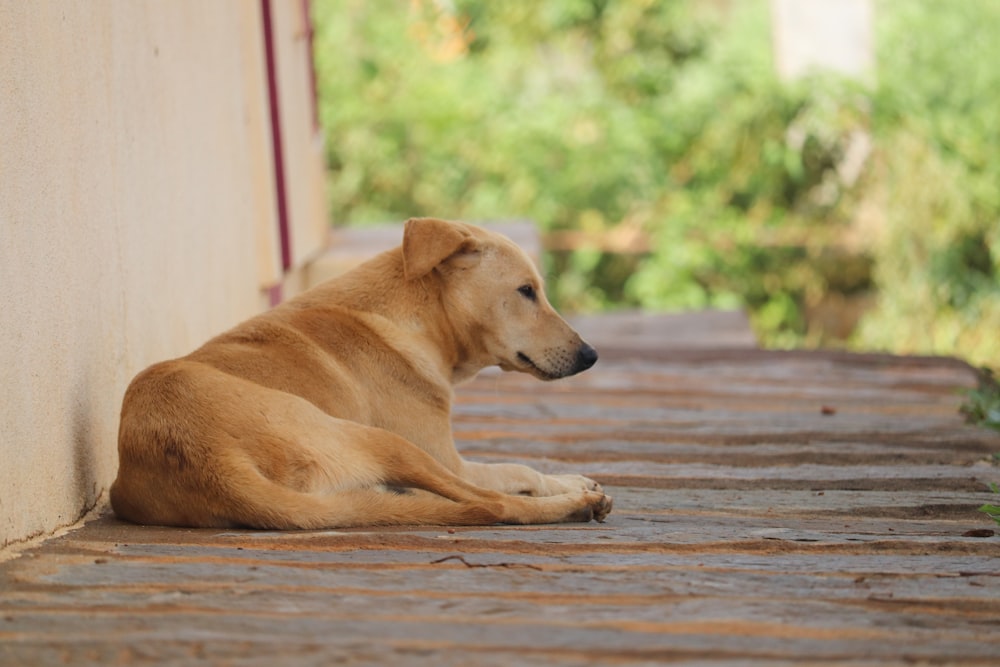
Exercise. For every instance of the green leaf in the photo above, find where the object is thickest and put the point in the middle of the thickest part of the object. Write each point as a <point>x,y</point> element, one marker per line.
<point>992,511</point>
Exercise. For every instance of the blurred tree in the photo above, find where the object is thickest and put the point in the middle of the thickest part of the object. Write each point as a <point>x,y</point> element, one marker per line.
<point>665,122</point>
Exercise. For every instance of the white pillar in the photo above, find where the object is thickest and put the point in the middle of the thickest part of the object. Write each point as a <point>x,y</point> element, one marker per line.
<point>833,35</point>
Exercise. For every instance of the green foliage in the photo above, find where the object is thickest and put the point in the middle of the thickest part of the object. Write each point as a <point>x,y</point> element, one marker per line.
<point>982,405</point>
<point>991,510</point>
<point>519,126</point>
<point>665,118</point>
<point>938,252</point>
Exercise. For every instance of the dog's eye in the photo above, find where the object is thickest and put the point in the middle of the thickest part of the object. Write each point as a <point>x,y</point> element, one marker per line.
<point>528,292</point>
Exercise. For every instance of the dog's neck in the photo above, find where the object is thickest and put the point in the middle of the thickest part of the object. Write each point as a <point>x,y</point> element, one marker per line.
<point>413,307</point>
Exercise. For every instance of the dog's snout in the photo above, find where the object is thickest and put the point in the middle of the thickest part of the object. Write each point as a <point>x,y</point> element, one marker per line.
<point>586,357</point>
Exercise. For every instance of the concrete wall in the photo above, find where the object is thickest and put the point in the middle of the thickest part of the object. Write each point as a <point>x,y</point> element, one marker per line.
<point>137,218</point>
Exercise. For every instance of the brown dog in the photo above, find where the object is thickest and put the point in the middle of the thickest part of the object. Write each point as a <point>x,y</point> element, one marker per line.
<point>334,409</point>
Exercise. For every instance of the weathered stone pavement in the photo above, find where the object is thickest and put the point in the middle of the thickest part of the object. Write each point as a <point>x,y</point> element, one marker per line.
<point>770,508</point>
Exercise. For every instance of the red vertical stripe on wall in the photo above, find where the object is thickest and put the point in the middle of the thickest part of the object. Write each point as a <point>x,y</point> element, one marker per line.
<point>274,295</point>
<point>279,161</point>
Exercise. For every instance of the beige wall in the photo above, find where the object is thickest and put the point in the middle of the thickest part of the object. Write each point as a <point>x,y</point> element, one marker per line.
<point>137,218</point>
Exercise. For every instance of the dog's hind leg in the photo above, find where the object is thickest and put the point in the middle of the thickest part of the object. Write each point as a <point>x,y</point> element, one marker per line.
<point>287,464</point>
<point>405,464</point>
<point>386,458</point>
<point>372,507</point>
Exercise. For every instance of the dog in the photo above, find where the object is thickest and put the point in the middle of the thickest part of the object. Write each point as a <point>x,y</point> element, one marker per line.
<point>333,410</point>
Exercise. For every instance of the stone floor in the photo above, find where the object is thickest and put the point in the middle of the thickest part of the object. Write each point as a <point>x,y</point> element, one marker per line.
<point>770,508</point>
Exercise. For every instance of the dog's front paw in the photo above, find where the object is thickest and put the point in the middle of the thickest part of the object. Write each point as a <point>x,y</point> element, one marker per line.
<point>557,484</point>
<point>602,507</point>
<point>596,507</point>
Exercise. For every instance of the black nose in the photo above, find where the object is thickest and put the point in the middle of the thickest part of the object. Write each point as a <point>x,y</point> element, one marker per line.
<point>586,357</point>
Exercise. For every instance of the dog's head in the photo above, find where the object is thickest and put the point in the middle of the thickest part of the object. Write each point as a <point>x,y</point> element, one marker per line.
<point>494,300</point>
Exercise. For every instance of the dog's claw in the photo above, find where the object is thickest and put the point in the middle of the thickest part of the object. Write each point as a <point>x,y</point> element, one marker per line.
<point>591,485</point>
<point>603,508</point>
<point>597,509</point>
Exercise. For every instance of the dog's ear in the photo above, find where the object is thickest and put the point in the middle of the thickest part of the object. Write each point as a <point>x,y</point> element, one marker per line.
<point>429,242</point>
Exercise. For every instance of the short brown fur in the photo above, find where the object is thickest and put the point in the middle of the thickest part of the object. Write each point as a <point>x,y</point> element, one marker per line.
<point>334,409</point>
